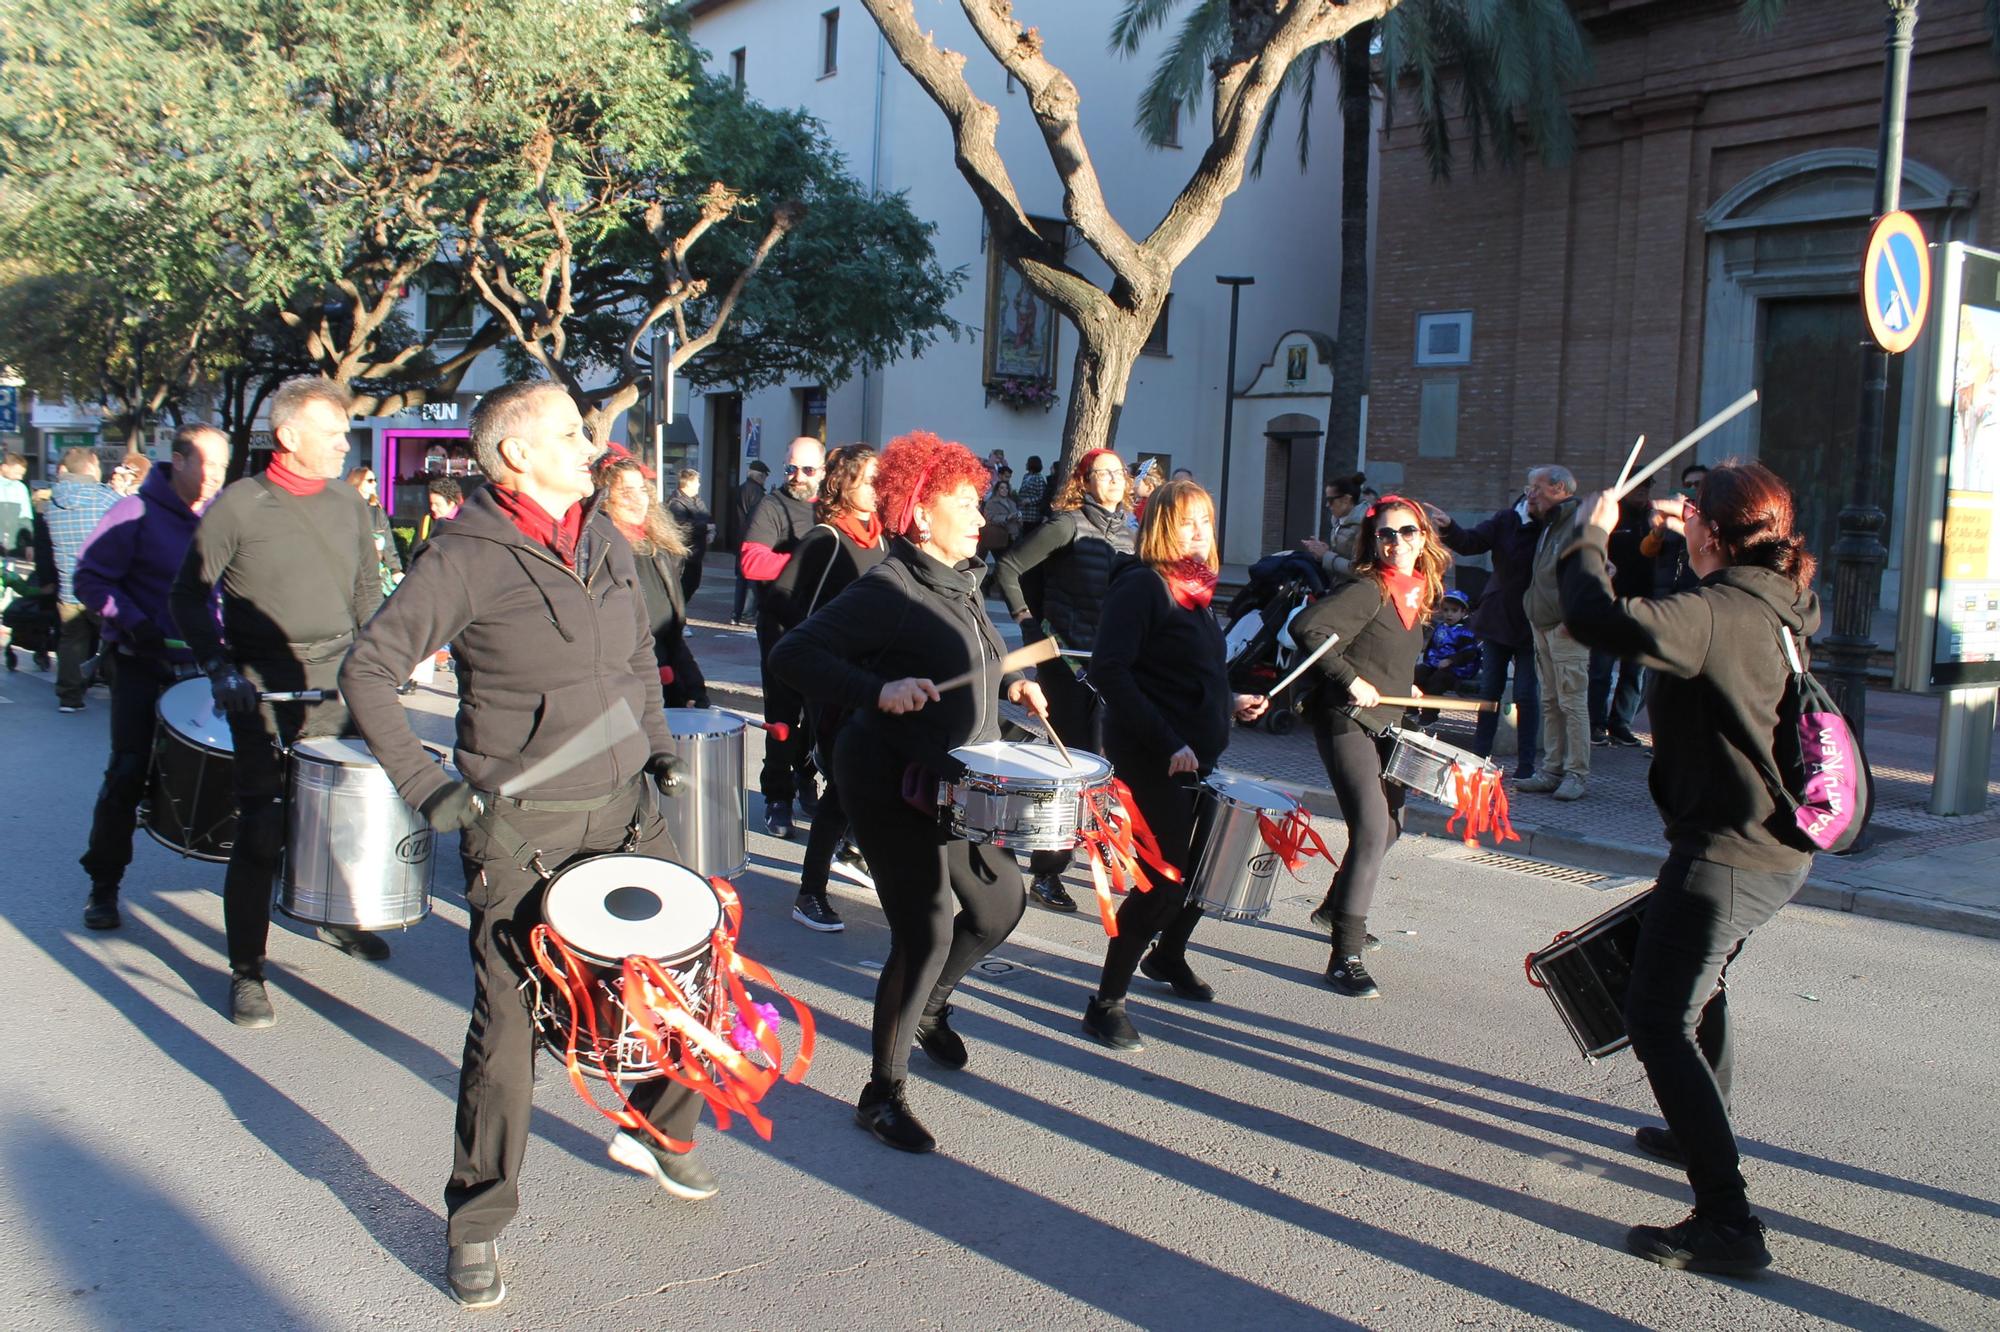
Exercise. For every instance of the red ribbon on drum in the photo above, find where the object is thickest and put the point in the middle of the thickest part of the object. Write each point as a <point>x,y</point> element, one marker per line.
<point>1482,802</point>
<point>1293,841</point>
<point>1116,839</point>
<point>684,1048</point>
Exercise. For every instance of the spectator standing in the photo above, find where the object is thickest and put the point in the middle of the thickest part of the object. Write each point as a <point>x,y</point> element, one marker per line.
<point>748,496</point>
<point>1340,525</point>
<point>781,520</point>
<point>1561,663</point>
<point>79,501</point>
<point>1033,496</point>
<point>658,548</point>
<point>686,507</point>
<point>443,498</point>
<point>17,509</point>
<point>1500,622</point>
<point>1613,710</point>
<point>364,483</point>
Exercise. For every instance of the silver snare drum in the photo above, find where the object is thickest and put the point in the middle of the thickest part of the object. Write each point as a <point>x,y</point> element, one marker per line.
<point>1235,871</point>
<point>707,821</point>
<point>1021,797</point>
<point>1429,767</point>
<point>355,854</point>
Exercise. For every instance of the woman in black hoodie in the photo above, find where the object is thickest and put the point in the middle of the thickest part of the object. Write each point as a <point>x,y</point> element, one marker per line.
<point>878,650</point>
<point>658,547</point>
<point>1719,674</point>
<point>1163,673</point>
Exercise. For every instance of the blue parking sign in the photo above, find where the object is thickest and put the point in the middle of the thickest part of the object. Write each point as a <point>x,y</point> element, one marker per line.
<point>10,410</point>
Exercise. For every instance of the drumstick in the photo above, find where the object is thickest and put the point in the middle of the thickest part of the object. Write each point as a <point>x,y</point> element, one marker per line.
<point>1630,458</point>
<point>1438,701</point>
<point>1054,739</point>
<point>619,724</point>
<point>1688,441</point>
<point>1034,654</point>
<point>300,696</point>
<point>1303,666</point>
<point>776,730</point>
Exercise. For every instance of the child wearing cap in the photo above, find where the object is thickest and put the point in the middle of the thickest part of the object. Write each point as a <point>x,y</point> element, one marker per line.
<point>1451,656</point>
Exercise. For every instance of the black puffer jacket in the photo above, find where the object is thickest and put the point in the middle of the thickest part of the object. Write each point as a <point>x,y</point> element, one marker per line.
<point>1076,549</point>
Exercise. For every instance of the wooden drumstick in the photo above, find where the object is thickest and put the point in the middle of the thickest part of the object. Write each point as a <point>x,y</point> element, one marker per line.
<point>1054,739</point>
<point>1630,458</point>
<point>1439,701</point>
<point>1303,666</point>
<point>1688,441</point>
<point>1034,654</point>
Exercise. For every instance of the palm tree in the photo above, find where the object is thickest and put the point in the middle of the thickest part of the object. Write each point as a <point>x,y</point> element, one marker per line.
<point>1507,65</point>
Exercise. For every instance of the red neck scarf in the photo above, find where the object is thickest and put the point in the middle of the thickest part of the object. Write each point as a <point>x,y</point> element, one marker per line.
<point>539,525</point>
<point>1406,593</point>
<point>635,535</point>
<point>284,478</point>
<point>863,530</point>
<point>1191,582</point>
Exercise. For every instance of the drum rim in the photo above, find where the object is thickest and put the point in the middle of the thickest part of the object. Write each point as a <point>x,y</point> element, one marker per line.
<point>694,948</point>
<point>192,742</point>
<point>1208,785</point>
<point>736,724</point>
<point>1077,775</point>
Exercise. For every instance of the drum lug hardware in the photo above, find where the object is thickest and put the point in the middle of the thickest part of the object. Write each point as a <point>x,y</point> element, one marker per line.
<point>541,871</point>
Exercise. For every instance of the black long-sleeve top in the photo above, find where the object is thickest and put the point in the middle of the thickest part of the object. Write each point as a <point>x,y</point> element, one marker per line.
<point>1161,669</point>
<point>1373,646</point>
<point>822,566</point>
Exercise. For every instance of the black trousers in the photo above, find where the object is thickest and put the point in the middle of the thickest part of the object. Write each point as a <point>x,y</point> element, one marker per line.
<point>1677,1010</point>
<point>828,827</point>
<point>690,575</point>
<point>1073,713</point>
<point>496,1081</point>
<point>787,759</point>
<point>949,903</point>
<point>1373,812</point>
<point>136,687</point>
<point>76,640</point>
<point>1168,806</point>
<point>261,739</point>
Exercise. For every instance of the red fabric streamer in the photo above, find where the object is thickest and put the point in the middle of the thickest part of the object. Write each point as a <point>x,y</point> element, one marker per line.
<point>1117,839</point>
<point>1293,840</point>
<point>1482,803</point>
<point>680,1044</point>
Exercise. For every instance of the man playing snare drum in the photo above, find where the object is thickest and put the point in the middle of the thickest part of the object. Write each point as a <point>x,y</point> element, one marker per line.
<point>538,595</point>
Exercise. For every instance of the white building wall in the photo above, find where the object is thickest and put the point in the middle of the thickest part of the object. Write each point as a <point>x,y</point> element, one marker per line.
<point>1282,229</point>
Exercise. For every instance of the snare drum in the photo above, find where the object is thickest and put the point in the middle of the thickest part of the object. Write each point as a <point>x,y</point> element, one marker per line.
<point>355,854</point>
<point>190,801</point>
<point>707,819</point>
<point>1587,972</point>
<point>1428,766</point>
<point>1022,797</point>
<point>1235,870</point>
<point>604,910</point>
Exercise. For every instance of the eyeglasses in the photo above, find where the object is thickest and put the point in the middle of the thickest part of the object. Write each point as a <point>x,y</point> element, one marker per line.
<point>1106,472</point>
<point>1388,536</point>
<point>793,469</point>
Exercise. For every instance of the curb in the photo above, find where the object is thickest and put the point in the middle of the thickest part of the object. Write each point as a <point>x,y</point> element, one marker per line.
<point>1425,819</point>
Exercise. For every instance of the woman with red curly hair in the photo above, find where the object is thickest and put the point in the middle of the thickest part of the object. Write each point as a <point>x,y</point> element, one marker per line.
<point>877,650</point>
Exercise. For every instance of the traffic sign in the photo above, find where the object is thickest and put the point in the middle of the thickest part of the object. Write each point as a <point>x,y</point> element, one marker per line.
<point>10,409</point>
<point>1896,282</point>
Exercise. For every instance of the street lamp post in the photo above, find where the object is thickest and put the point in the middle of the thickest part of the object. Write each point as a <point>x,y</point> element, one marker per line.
<point>1236,286</point>
<point>1858,553</point>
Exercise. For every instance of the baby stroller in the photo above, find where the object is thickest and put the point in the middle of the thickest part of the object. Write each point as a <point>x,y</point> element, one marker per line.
<point>1257,638</point>
<point>28,616</point>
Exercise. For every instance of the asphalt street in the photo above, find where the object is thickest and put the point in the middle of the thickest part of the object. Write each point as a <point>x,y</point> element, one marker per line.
<point>1281,1158</point>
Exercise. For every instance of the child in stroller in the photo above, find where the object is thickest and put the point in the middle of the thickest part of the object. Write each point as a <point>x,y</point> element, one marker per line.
<point>1256,630</point>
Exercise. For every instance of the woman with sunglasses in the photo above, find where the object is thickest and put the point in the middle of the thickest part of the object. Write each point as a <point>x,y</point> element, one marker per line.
<point>1377,624</point>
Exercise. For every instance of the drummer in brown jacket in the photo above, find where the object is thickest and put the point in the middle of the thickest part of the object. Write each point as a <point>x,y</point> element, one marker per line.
<point>539,597</point>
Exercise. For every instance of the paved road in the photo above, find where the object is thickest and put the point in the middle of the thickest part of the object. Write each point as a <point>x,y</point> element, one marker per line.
<point>1279,1159</point>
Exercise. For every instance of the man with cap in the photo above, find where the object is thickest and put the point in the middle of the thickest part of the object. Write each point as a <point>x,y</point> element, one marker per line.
<point>748,496</point>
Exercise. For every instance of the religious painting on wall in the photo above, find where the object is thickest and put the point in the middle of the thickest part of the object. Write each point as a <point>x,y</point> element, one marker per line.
<point>1020,326</point>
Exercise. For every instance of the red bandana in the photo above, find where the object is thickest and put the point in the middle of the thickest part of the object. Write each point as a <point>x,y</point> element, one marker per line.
<point>636,535</point>
<point>292,483</point>
<point>863,531</point>
<point>539,526</point>
<point>1406,593</point>
<point>1191,582</point>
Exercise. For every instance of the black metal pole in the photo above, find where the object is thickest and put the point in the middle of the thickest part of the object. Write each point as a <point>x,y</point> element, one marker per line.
<point>1236,286</point>
<point>1858,553</point>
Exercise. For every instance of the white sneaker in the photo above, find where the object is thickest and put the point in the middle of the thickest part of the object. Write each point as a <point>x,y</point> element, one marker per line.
<point>1571,788</point>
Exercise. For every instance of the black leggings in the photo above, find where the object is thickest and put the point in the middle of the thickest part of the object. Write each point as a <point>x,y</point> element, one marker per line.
<point>1373,812</point>
<point>1168,805</point>
<point>829,825</point>
<point>949,903</point>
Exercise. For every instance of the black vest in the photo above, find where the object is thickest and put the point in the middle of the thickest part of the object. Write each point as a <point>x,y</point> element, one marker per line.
<point>1074,584</point>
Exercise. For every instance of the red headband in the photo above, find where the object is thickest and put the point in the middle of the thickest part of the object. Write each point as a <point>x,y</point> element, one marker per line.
<point>909,515</point>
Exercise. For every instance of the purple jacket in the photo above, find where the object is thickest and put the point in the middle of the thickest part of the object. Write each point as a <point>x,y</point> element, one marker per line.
<point>1510,534</point>
<point>128,564</point>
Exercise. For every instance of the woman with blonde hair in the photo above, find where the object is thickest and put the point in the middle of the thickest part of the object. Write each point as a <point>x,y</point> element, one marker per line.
<point>1162,671</point>
<point>658,548</point>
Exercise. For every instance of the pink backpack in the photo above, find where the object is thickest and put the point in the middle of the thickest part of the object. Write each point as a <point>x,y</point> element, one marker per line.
<point>1822,776</point>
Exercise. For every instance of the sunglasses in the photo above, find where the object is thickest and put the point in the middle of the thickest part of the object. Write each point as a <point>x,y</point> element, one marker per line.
<point>793,469</point>
<point>1388,536</point>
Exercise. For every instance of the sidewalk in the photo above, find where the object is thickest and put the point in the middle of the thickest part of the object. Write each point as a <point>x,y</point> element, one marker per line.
<point>1919,868</point>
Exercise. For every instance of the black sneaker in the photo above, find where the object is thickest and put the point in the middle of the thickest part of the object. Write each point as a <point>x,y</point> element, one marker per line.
<point>101,911</point>
<point>474,1273</point>
<point>847,853</point>
<point>1599,739</point>
<point>809,798</point>
<point>1347,976</point>
<point>778,819</point>
<point>1049,891</point>
<point>1660,1144</point>
<point>249,1004</point>
<point>1626,740</point>
<point>816,913</point>
<point>883,1112</point>
<point>355,943</point>
<point>1700,1244</point>
<point>1106,1023</point>
<point>676,1172</point>
<point>1176,972</point>
<point>940,1042</point>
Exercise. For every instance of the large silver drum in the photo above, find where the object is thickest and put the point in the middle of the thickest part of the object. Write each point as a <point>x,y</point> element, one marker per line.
<point>1022,797</point>
<point>355,854</point>
<point>707,822</point>
<point>1235,870</point>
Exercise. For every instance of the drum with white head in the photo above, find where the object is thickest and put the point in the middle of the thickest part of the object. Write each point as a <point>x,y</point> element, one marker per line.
<point>355,854</point>
<point>190,801</point>
<point>1022,796</point>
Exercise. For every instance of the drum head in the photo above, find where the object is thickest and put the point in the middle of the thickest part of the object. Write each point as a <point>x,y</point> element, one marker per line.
<point>341,751</point>
<point>1026,761</point>
<point>702,721</point>
<point>1253,794</point>
<point>619,906</point>
<point>188,710</point>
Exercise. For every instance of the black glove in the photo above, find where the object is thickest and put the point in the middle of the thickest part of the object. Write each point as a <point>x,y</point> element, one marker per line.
<point>455,806</point>
<point>234,695</point>
<point>669,774</point>
<point>143,639</point>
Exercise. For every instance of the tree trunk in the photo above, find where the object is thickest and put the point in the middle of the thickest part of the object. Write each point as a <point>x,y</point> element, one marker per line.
<point>1106,348</point>
<point>1350,342</point>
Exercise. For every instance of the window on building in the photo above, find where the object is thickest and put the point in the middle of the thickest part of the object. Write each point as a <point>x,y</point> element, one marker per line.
<point>812,412</point>
<point>829,43</point>
<point>447,304</point>
<point>738,59</point>
<point>1437,417</point>
<point>1156,341</point>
